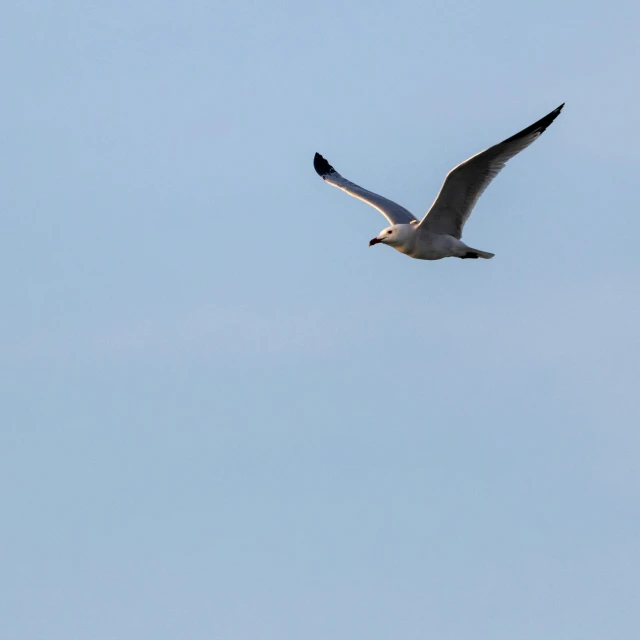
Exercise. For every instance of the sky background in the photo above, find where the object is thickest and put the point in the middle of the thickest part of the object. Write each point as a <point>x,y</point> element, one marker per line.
<point>223,416</point>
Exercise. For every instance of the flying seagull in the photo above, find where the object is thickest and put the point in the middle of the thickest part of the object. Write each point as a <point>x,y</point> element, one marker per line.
<point>438,234</point>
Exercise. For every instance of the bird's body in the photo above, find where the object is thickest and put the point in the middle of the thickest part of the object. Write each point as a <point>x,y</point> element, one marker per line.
<point>422,244</point>
<point>438,234</point>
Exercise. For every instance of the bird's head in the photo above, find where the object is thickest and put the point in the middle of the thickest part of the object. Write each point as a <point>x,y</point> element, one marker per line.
<point>395,235</point>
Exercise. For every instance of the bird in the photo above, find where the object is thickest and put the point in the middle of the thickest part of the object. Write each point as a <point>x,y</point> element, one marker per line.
<point>438,235</point>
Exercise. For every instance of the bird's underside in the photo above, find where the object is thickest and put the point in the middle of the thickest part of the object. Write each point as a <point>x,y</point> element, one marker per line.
<point>438,234</point>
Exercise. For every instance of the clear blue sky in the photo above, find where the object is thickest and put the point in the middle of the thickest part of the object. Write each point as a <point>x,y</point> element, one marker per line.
<point>223,416</point>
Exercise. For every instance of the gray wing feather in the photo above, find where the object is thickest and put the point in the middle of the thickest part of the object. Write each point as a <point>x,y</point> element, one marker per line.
<point>392,211</point>
<point>466,183</point>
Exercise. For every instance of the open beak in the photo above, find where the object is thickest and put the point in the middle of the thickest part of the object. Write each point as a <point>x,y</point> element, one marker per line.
<point>374,241</point>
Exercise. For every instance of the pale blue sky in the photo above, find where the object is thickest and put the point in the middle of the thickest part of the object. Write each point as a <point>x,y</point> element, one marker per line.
<point>223,416</point>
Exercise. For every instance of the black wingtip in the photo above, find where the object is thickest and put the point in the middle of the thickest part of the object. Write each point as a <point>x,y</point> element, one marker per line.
<point>538,127</point>
<point>322,167</point>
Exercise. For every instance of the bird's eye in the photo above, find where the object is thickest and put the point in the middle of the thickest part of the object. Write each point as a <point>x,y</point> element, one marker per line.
<point>388,232</point>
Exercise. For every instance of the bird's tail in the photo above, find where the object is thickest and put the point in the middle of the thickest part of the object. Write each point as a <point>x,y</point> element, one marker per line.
<point>476,253</point>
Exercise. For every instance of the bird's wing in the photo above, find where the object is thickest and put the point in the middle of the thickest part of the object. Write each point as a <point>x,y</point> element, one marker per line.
<point>393,212</point>
<point>465,183</point>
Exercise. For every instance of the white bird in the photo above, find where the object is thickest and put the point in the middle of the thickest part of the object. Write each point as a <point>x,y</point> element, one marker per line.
<point>438,234</point>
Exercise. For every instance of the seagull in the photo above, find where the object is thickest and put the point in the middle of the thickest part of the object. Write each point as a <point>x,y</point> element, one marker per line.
<point>438,234</point>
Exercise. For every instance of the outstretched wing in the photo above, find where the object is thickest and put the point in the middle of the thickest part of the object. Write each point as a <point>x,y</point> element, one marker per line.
<point>465,183</point>
<point>393,212</point>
